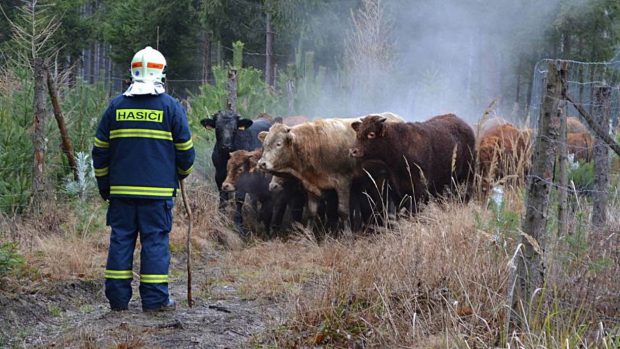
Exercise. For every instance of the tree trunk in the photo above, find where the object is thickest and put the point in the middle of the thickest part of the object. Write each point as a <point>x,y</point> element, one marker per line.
<point>290,95</point>
<point>96,67</point>
<point>38,136</point>
<point>530,267</point>
<point>232,90</point>
<point>206,54</point>
<point>268,51</point>
<point>65,145</point>
<point>602,111</point>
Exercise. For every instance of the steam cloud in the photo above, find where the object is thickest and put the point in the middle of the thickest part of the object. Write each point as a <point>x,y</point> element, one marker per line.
<point>445,56</point>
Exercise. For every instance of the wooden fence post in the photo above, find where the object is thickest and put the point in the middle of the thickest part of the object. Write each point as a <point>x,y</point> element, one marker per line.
<point>38,136</point>
<point>530,266</point>
<point>232,90</point>
<point>602,111</point>
<point>563,173</point>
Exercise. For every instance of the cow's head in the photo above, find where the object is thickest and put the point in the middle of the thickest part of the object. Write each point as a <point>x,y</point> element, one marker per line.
<point>226,124</point>
<point>368,133</point>
<point>240,162</point>
<point>277,148</point>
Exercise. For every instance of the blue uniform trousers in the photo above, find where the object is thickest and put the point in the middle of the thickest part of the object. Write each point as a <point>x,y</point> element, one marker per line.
<point>152,219</point>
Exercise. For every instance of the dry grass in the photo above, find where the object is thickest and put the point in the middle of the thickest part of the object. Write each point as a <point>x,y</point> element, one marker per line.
<point>429,276</point>
<point>436,280</point>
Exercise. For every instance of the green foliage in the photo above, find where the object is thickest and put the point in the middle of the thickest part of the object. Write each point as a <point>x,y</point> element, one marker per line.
<point>237,54</point>
<point>10,259</point>
<point>133,24</point>
<point>15,145</point>
<point>582,176</point>
<point>504,224</point>
<point>253,94</point>
<point>82,106</point>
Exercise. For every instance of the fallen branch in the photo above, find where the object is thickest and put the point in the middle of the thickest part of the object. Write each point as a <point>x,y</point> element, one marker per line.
<point>600,133</point>
<point>66,145</point>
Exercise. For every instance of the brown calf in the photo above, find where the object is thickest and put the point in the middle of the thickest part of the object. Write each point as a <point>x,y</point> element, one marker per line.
<point>580,144</point>
<point>503,152</point>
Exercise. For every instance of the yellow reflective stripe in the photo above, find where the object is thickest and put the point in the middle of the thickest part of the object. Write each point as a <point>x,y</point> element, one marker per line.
<point>140,133</point>
<point>153,278</point>
<point>185,172</point>
<point>184,146</point>
<point>100,172</point>
<point>118,274</point>
<point>101,144</point>
<point>134,190</point>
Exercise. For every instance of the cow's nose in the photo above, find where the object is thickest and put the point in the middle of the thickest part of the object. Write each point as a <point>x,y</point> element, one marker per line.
<point>262,164</point>
<point>228,187</point>
<point>354,152</point>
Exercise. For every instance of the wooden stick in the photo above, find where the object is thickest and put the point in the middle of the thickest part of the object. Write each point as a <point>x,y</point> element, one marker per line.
<point>189,250</point>
<point>65,145</point>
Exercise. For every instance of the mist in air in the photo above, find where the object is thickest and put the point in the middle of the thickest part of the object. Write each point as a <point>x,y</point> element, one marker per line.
<point>424,58</point>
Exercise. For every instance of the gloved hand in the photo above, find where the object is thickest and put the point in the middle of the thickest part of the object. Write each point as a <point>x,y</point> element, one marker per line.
<point>105,194</point>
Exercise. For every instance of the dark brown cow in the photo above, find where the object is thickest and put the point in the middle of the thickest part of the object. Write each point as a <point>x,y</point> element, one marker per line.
<point>422,157</point>
<point>581,145</point>
<point>503,151</point>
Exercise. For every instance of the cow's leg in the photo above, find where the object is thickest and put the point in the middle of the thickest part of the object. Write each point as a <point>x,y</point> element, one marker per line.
<point>279,208</point>
<point>344,195</point>
<point>313,208</point>
<point>220,176</point>
<point>266,212</point>
<point>238,218</point>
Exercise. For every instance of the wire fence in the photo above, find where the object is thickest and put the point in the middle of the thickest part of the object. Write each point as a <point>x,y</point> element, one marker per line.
<point>597,174</point>
<point>582,79</point>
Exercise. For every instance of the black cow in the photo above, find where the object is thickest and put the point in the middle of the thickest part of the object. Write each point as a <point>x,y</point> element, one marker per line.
<point>232,133</point>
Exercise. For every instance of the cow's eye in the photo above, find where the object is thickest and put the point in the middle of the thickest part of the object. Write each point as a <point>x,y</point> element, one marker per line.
<point>278,144</point>
<point>240,170</point>
<point>371,135</point>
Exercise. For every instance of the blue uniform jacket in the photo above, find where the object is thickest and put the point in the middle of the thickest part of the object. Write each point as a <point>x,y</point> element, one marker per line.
<point>143,146</point>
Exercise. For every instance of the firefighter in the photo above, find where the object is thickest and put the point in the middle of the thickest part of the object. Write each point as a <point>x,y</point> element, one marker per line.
<point>143,147</point>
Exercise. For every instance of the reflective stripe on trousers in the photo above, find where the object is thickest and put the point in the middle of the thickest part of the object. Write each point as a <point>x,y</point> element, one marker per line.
<point>151,219</point>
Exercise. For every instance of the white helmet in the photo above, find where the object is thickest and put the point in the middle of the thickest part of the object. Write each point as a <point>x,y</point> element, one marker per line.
<point>148,66</point>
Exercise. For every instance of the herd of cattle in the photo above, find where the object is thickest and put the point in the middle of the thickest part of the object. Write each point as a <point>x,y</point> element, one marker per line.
<point>348,172</point>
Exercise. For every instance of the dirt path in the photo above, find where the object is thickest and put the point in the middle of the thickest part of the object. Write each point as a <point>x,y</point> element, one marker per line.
<point>76,314</point>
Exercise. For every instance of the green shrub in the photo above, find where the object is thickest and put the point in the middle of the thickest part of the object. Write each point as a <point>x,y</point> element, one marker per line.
<point>15,146</point>
<point>582,175</point>
<point>10,258</point>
